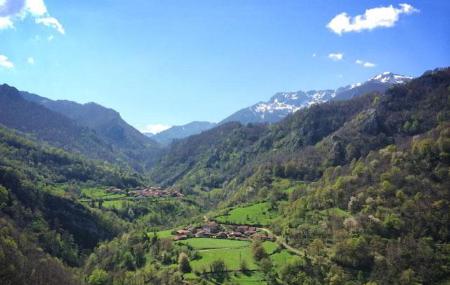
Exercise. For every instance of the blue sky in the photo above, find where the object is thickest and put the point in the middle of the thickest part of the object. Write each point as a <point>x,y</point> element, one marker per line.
<point>171,62</point>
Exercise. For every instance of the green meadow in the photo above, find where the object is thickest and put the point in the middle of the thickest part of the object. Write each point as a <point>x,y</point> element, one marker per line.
<point>256,214</point>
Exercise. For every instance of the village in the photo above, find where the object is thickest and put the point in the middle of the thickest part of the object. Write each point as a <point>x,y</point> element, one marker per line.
<point>147,192</point>
<point>212,229</point>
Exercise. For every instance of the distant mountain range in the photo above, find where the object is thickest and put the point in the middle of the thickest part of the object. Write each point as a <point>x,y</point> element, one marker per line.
<point>285,103</point>
<point>179,132</point>
<point>89,129</point>
<point>101,133</point>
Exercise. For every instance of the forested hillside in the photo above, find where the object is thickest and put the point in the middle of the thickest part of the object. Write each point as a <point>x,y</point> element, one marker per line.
<point>43,228</point>
<point>345,192</point>
<point>139,150</point>
<point>304,144</point>
<point>105,136</point>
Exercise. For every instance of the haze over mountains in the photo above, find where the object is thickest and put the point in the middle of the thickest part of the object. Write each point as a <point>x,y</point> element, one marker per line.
<point>113,135</point>
<point>88,129</point>
<point>178,132</point>
<point>284,103</point>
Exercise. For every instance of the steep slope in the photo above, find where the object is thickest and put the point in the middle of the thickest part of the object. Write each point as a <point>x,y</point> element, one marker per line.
<point>304,144</point>
<point>285,103</point>
<point>215,153</point>
<point>46,125</point>
<point>43,232</point>
<point>381,219</point>
<point>108,125</point>
<point>180,132</point>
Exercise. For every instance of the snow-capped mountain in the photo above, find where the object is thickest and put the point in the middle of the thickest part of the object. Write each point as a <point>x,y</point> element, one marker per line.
<point>285,103</point>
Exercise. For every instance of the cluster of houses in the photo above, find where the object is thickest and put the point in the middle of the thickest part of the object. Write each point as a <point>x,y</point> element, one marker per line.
<point>154,192</point>
<point>147,192</point>
<point>215,230</point>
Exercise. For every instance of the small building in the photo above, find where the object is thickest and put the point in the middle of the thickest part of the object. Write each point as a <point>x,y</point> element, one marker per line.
<point>180,237</point>
<point>184,232</point>
<point>221,235</point>
<point>202,233</point>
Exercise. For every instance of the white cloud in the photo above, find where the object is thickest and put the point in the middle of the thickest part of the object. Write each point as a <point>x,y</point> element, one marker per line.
<point>372,18</point>
<point>51,22</point>
<point>36,7</point>
<point>5,62</point>
<point>365,63</point>
<point>6,23</point>
<point>30,60</point>
<point>50,38</point>
<point>154,128</point>
<point>17,10</point>
<point>314,55</point>
<point>336,56</point>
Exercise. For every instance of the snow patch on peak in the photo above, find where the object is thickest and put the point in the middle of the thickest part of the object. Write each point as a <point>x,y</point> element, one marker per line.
<point>389,77</point>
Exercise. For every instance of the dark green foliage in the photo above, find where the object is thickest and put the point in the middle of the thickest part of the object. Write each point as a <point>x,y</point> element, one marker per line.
<point>218,270</point>
<point>44,225</point>
<point>183,263</point>
<point>23,262</point>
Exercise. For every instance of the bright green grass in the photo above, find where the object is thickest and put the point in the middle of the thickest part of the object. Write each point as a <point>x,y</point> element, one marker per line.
<point>231,256</point>
<point>270,246</point>
<point>212,243</point>
<point>281,258</point>
<point>163,234</point>
<point>94,192</point>
<point>118,204</point>
<point>335,211</point>
<point>250,279</point>
<point>257,214</point>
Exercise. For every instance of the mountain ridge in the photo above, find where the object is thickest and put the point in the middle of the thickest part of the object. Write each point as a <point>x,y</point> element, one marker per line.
<point>282,104</point>
<point>182,131</point>
<point>88,129</point>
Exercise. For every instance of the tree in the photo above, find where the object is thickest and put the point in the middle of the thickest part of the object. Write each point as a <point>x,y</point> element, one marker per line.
<point>218,269</point>
<point>98,277</point>
<point>243,266</point>
<point>183,263</point>
<point>258,250</point>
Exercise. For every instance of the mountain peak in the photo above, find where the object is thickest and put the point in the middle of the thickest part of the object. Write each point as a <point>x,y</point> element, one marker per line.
<point>284,103</point>
<point>389,77</point>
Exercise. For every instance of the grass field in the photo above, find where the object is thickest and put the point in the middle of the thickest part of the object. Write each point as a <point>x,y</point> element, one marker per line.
<point>270,246</point>
<point>163,234</point>
<point>257,214</point>
<point>231,256</point>
<point>213,243</point>
<point>232,252</point>
<point>281,258</point>
<point>249,278</point>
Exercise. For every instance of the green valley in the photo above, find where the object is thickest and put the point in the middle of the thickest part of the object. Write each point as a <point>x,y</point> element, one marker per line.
<point>344,192</point>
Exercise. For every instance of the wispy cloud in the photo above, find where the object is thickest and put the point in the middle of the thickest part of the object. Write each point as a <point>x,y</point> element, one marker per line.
<point>12,11</point>
<point>5,62</point>
<point>30,60</point>
<point>372,18</point>
<point>154,128</point>
<point>336,56</point>
<point>51,22</point>
<point>365,63</point>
